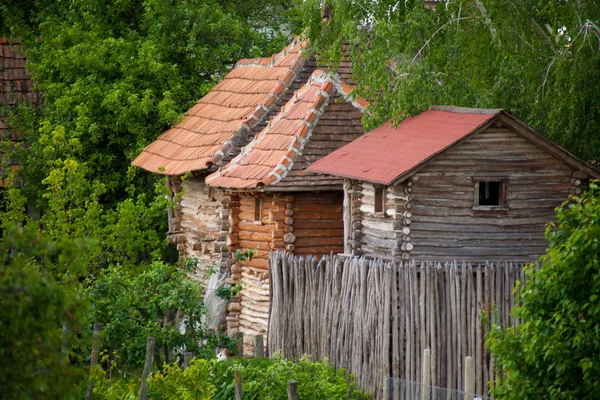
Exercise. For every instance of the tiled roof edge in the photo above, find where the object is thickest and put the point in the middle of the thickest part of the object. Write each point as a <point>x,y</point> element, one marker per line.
<point>259,115</point>
<point>262,61</point>
<point>297,145</point>
<point>346,90</point>
<point>292,153</point>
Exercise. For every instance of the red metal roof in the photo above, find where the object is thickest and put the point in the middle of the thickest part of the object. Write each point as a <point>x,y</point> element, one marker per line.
<point>271,155</point>
<point>239,102</point>
<point>386,153</point>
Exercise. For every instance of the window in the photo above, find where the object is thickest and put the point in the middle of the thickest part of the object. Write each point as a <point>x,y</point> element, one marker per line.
<point>258,209</point>
<point>379,199</point>
<point>490,194</point>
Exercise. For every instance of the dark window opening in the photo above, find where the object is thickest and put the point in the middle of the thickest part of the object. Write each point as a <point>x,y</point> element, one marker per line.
<point>379,200</point>
<point>491,194</point>
<point>258,208</point>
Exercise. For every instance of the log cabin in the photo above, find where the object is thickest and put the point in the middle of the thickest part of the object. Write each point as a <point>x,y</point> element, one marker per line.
<point>274,203</point>
<point>214,131</point>
<point>210,135</point>
<point>453,184</point>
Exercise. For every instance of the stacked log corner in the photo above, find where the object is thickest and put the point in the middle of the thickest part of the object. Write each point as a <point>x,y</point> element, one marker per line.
<point>385,234</point>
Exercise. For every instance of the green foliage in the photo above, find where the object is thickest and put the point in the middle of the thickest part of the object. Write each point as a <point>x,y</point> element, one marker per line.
<point>474,53</point>
<point>114,75</point>
<point>267,378</point>
<point>192,384</point>
<point>228,292</point>
<point>158,302</point>
<point>263,378</point>
<point>37,354</point>
<point>554,353</point>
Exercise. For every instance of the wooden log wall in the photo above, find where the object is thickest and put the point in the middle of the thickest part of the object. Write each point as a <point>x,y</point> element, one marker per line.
<point>300,223</point>
<point>445,224</point>
<point>337,308</point>
<point>249,311</point>
<point>318,225</point>
<point>199,223</point>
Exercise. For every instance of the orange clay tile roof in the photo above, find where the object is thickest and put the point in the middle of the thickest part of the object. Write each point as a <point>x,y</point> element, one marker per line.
<point>15,88</point>
<point>15,82</point>
<point>271,155</point>
<point>230,109</point>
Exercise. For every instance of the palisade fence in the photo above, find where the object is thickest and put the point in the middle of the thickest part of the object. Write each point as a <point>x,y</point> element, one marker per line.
<point>375,318</point>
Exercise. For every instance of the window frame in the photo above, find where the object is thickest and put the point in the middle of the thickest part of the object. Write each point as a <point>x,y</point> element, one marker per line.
<point>381,201</point>
<point>258,210</point>
<point>503,204</point>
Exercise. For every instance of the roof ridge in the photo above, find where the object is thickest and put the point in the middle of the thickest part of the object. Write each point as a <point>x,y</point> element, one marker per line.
<point>317,76</point>
<point>228,144</point>
<point>274,169</point>
<point>467,110</point>
<point>274,58</point>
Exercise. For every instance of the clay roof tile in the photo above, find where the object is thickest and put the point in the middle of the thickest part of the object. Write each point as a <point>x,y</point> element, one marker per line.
<point>271,155</point>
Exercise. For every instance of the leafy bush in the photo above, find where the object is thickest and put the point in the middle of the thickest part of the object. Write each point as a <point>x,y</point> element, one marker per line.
<point>554,354</point>
<point>158,302</point>
<point>36,352</point>
<point>263,378</point>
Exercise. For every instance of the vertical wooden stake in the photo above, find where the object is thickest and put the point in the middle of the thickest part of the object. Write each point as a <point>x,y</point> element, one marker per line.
<point>94,360</point>
<point>259,347</point>
<point>238,384</point>
<point>240,342</point>
<point>426,393</point>
<point>387,315</point>
<point>292,390</point>
<point>187,357</point>
<point>469,378</point>
<point>147,367</point>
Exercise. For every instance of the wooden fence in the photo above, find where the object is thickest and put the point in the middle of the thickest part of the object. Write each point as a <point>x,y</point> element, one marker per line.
<point>375,318</point>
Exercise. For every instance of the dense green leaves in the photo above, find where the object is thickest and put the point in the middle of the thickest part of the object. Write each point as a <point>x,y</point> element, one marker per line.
<point>555,353</point>
<point>41,320</point>
<point>114,75</point>
<point>263,378</point>
<point>537,59</point>
<point>162,302</point>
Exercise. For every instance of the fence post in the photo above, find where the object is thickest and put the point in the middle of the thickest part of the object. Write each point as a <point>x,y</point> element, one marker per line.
<point>94,360</point>
<point>292,390</point>
<point>426,381</point>
<point>187,357</point>
<point>239,337</point>
<point>259,347</point>
<point>238,384</point>
<point>147,367</point>
<point>469,378</point>
<point>386,332</point>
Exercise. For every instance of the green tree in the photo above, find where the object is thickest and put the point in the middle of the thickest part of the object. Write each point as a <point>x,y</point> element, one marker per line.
<point>42,322</point>
<point>537,59</point>
<point>116,74</point>
<point>555,353</point>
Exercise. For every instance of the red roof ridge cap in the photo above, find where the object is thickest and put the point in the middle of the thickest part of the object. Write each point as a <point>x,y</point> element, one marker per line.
<point>346,91</point>
<point>466,110</point>
<point>273,59</point>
